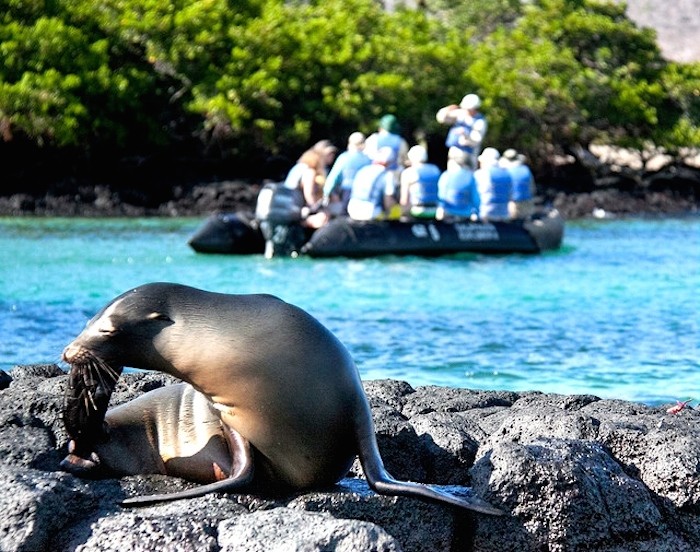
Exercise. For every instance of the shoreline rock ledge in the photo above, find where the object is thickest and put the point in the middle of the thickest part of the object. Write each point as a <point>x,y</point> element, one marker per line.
<point>573,472</point>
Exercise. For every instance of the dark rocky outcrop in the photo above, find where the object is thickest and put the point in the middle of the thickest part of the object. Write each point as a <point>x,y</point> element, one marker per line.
<point>573,473</point>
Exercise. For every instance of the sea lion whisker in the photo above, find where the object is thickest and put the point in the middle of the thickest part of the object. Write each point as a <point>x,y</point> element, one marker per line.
<point>102,374</point>
<point>107,369</point>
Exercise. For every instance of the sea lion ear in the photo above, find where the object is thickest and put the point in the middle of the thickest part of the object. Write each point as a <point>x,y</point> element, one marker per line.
<point>159,316</point>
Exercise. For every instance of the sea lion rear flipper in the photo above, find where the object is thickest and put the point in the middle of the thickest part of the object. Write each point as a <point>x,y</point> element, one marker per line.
<point>241,476</point>
<point>381,482</point>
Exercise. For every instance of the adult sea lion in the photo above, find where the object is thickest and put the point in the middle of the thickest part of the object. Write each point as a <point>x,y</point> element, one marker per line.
<point>285,393</point>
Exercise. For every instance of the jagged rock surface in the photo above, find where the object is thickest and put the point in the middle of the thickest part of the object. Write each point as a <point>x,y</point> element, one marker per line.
<point>572,472</point>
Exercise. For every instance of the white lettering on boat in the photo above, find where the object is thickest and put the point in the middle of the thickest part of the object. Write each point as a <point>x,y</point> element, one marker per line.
<point>424,231</point>
<point>476,232</point>
<point>419,231</point>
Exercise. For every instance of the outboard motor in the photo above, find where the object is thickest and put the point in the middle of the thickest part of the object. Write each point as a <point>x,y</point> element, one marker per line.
<point>279,211</point>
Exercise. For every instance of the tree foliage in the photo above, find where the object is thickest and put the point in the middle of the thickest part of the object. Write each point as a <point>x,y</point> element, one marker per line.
<point>274,75</point>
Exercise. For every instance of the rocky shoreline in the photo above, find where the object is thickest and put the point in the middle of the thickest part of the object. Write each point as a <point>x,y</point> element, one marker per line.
<point>573,473</point>
<point>602,189</point>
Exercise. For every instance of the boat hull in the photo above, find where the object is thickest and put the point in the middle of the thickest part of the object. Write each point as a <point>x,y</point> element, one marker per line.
<point>344,237</point>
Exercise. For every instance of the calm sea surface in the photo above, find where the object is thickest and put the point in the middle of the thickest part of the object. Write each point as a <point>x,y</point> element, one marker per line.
<point>615,312</point>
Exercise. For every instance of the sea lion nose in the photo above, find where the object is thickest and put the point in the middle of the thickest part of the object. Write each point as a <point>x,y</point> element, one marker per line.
<point>70,353</point>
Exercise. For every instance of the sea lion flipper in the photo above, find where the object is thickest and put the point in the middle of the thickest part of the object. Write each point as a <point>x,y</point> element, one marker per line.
<point>391,486</point>
<point>381,482</point>
<point>223,486</point>
<point>242,470</point>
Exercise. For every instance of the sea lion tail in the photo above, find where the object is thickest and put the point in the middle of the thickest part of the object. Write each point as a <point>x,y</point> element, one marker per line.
<point>382,482</point>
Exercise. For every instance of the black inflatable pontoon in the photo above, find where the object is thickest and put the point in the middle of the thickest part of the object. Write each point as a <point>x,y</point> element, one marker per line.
<point>239,233</point>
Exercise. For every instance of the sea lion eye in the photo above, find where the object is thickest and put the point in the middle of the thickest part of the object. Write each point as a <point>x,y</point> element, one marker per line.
<point>159,316</point>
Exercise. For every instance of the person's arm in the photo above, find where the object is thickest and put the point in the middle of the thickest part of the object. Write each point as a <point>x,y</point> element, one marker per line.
<point>334,176</point>
<point>308,186</point>
<point>448,115</point>
<point>407,178</point>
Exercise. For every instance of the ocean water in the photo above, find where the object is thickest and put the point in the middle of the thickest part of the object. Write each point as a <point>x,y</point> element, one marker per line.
<point>614,313</point>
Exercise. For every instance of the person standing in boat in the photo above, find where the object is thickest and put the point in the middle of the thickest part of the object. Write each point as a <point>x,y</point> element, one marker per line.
<point>373,192</point>
<point>419,185</point>
<point>457,193</point>
<point>338,186</point>
<point>388,135</point>
<point>494,185</point>
<point>522,203</point>
<point>308,177</point>
<point>468,128</point>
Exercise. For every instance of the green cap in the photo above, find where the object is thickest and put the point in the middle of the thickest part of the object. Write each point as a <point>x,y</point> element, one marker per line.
<point>389,123</point>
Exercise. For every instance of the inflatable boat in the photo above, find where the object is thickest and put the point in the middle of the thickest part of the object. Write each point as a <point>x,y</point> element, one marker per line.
<point>276,230</point>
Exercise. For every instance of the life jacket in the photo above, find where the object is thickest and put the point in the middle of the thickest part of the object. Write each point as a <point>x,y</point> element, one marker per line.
<point>369,184</point>
<point>457,193</point>
<point>494,185</point>
<point>521,176</point>
<point>426,192</point>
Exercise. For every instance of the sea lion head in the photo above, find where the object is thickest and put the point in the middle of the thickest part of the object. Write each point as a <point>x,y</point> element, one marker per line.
<point>124,332</point>
<point>121,334</point>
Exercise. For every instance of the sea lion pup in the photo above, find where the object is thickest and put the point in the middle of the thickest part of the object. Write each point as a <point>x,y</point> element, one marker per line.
<point>281,398</point>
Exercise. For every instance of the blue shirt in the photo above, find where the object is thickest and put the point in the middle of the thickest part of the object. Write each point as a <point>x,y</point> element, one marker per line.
<point>344,170</point>
<point>461,129</point>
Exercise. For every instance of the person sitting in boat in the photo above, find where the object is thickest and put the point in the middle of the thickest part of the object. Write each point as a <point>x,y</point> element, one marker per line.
<point>374,188</point>
<point>419,185</point>
<point>468,128</point>
<point>308,176</point>
<point>336,191</point>
<point>388,135</point>
<point>457,193</point>
<point>494,185</point>
<point>522,203</point>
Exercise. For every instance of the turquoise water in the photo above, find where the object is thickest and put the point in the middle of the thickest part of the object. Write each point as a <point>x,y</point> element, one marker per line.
<point>614,313</point>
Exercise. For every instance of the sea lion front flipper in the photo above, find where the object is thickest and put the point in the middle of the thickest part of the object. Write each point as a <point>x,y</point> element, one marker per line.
<point>242,470</point>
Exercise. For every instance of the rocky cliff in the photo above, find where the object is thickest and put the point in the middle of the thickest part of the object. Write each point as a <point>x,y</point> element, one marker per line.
<point>677,25</point>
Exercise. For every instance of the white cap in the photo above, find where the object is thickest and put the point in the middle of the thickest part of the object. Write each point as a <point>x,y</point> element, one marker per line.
<point>470,101</point>
<point>510,154</point>
<point>458,155</point>
<point>356,139</point>
<point>489,156</point>
<point>417,154</point>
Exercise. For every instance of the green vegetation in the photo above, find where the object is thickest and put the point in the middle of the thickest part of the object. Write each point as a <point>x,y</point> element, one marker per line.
<point>240,77</point>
